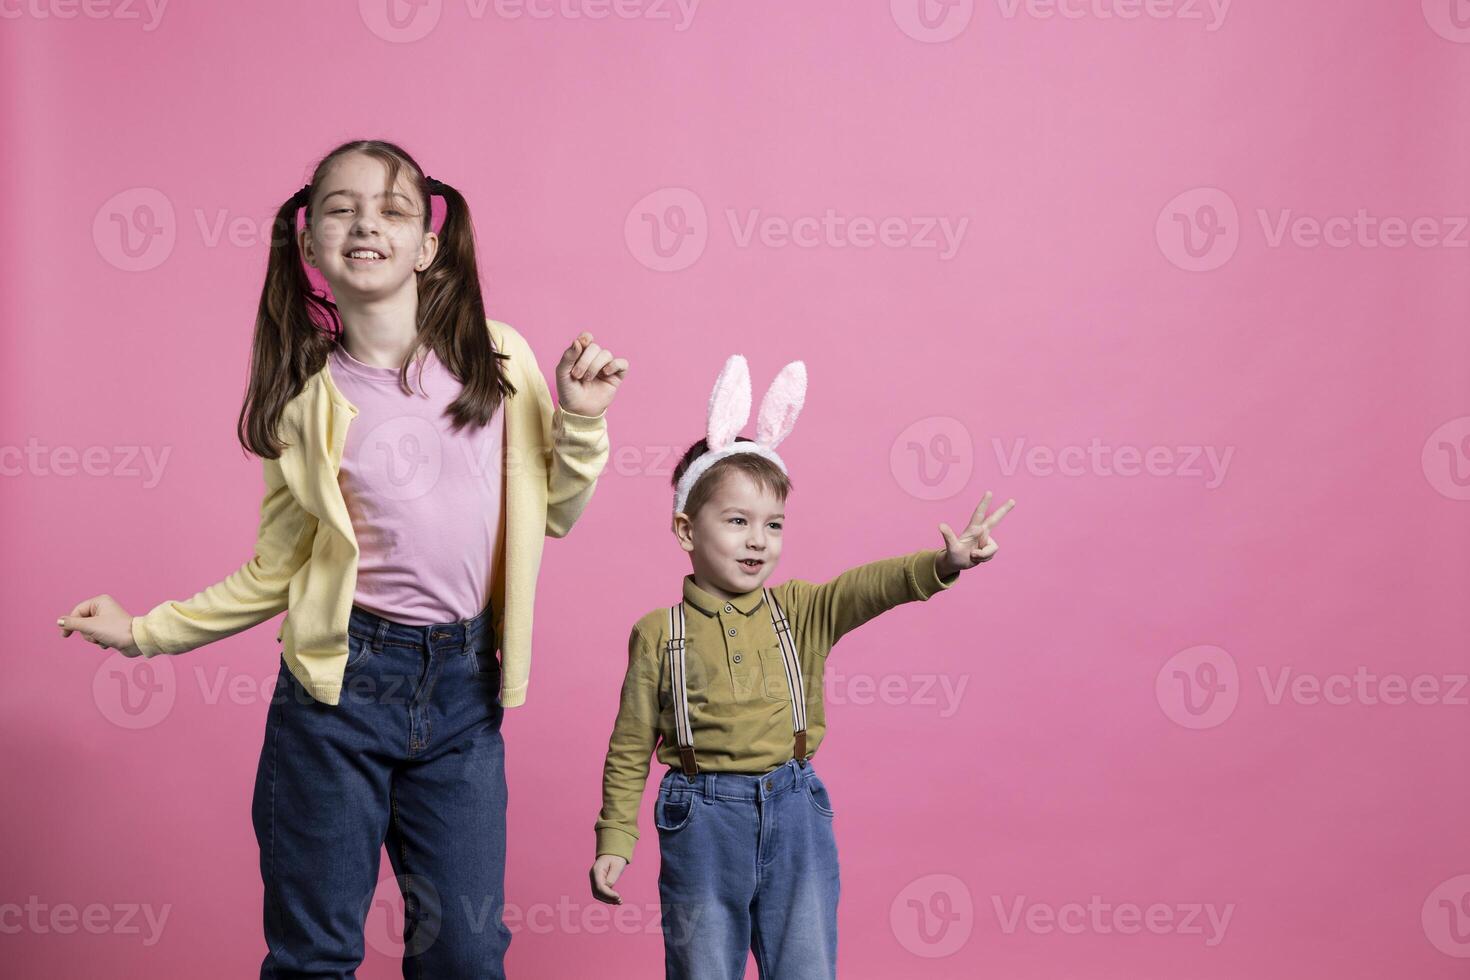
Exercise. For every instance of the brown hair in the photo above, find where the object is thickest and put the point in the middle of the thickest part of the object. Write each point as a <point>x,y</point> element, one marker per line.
<point>765,473</point>
<point>297,326</point>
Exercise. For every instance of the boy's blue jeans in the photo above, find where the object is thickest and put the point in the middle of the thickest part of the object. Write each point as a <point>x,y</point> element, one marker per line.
<point>412,757</point>
<point>747,863</point>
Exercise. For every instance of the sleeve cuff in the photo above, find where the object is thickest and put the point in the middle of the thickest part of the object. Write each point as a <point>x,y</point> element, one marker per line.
<point>924,575</point>
<point>611,840</point>
<point>590,422</point>
<point>142,640</point>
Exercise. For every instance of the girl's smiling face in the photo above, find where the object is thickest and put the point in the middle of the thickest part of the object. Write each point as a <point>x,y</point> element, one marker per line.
<point>367,244</point>
<point>739,524</point>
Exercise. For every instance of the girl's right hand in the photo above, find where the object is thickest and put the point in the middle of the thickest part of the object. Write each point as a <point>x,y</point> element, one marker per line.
<point>604,874</point>
<point>102,621</point>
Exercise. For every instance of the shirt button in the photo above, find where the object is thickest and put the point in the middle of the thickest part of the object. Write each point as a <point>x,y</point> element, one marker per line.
<point>732,631</point>
<point>729,608</point>
<point>737,658</point>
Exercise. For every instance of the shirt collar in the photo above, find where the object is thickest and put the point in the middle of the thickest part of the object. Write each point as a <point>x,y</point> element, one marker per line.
<point>747,602</point>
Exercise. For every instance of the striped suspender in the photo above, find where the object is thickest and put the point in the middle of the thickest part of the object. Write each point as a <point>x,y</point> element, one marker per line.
<point>682,728</point>
<point>794,682</point>
<point>793,674</point>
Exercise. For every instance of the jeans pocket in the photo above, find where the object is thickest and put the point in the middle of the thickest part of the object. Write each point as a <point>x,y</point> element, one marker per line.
<point>359,648</point>
<point>673,810</point>
<point>817,793</point>
<point>484,660</point>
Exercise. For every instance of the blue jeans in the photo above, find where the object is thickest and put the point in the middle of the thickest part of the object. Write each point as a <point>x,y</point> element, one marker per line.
<point>412,756</point>
<point>747,862</point>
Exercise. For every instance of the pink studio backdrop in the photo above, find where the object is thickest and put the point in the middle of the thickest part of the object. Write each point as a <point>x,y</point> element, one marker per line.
<point>1187,281</point>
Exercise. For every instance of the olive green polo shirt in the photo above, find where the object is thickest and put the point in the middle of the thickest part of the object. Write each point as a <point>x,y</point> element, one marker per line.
<point>739,700</point>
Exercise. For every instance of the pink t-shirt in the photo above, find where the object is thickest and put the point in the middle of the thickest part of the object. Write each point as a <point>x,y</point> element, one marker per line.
<point>425,501</point>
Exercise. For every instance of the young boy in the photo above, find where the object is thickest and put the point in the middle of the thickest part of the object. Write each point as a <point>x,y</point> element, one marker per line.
<point>748,857</point>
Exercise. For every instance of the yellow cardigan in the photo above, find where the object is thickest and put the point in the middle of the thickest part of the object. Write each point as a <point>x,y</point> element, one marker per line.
<point>306,553</point>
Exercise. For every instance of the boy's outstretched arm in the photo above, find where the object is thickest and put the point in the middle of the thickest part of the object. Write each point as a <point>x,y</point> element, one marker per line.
<point>832,609</point>
<point>625,771</point>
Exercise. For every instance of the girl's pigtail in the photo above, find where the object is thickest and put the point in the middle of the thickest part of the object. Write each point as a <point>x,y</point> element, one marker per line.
<point>452,314</point>
<point>294,325</point>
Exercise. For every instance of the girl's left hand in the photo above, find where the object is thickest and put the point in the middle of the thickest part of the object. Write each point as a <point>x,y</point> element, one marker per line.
<point>974,545</point>
<point>588,377</point>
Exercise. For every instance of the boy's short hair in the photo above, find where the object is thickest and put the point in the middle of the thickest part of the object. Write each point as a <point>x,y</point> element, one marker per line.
<point>764,472</point>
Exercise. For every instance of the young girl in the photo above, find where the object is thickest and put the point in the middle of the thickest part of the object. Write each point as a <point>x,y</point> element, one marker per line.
<point>401,530</point>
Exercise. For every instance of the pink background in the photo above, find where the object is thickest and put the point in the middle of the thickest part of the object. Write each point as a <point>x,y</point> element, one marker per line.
<point>1081,758</point>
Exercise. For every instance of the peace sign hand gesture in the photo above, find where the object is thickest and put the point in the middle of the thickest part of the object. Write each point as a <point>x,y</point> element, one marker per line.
<point>974,545</point>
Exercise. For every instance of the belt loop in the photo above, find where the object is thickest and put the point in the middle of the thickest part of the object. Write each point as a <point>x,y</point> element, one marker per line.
<point>378,635</point>
<point>709,787</point>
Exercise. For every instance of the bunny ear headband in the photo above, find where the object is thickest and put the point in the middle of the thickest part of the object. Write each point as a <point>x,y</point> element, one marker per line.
<point>729,410</point>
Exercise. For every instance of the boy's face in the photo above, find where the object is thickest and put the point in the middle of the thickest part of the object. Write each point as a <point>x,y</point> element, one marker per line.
<point>734,541</point>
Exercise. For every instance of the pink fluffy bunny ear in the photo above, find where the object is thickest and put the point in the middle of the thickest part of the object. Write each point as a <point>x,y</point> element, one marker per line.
<point>781,405</point>
<point>729,403</point>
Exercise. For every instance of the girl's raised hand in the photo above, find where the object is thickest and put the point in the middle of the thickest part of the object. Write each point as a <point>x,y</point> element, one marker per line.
<point>604,874</point>
<point>973,545</point>
<point>101,620</point>
<point>588,377</point>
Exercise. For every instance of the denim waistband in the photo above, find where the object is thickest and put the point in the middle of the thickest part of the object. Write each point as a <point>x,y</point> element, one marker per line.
<point>470,633</point>
<point>743,785</point>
